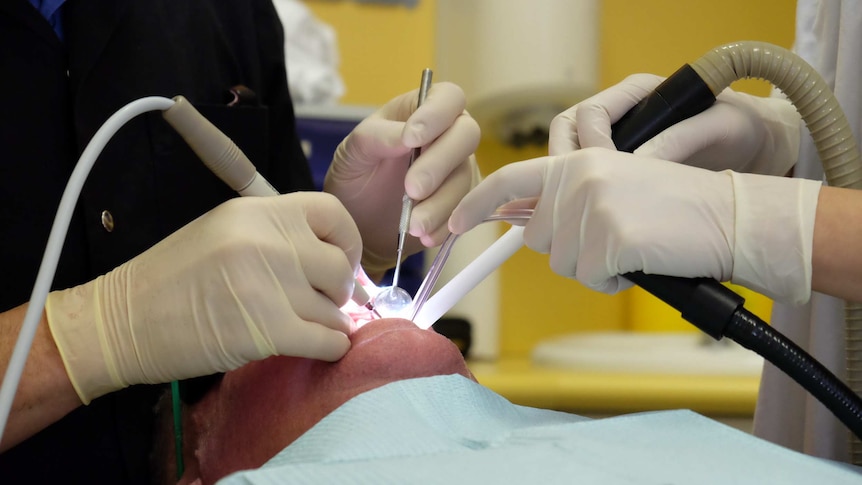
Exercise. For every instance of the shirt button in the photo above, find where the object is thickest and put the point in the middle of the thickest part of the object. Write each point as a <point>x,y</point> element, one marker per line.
<point>107,221</point>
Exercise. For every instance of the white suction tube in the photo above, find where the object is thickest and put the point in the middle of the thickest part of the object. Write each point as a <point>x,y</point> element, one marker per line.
<point>473,274</point>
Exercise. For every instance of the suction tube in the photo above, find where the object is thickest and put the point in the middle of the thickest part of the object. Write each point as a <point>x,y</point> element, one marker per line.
<point>754,334</point>
<point>691,90</point>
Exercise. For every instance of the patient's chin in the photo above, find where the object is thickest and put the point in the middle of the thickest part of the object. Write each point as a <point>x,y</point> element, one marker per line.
<point>393,349</point>
<point>256,411</point>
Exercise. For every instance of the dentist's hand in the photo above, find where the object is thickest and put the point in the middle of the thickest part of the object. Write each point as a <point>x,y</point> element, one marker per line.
<point>740,132</point>
<point>255,277</point>
<point>602,213</point>
<point>369,171</point>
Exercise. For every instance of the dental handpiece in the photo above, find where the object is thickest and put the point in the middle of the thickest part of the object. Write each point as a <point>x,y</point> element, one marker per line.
<point>406,201</point>
<point>221,155</point>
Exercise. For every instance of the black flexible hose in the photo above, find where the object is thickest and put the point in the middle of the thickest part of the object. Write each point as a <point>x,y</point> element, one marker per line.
<point>754,334</point>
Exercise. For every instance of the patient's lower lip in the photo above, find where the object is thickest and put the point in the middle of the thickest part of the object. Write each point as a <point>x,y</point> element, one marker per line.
<point>377,327</point>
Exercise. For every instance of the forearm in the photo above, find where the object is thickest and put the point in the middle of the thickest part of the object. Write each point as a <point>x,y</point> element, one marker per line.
<point>837,258</point>
<point>45,393</point>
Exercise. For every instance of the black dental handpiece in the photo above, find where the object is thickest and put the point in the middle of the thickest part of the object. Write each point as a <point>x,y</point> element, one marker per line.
<point>704,302</point>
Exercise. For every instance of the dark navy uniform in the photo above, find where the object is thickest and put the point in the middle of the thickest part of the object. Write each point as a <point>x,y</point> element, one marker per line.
<point>146,184</point>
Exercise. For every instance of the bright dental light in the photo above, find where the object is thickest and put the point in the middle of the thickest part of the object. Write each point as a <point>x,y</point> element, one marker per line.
<point>386,301</point>
<point>363,314</point>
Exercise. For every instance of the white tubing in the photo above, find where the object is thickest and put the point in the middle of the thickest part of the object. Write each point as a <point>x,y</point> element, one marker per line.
<point>55,243</point>
<point>473,274</point>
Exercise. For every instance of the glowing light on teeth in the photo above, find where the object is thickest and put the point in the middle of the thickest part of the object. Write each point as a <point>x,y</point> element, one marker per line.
<point>388,301</point>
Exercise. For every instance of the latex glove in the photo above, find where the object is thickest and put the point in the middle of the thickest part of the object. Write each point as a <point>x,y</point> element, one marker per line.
<point>602,213</point>
<point>255,277</point>
<point>369,171</point>
<point>740,132</point>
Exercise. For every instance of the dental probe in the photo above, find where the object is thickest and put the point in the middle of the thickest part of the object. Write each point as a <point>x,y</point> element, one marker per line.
<point>406,201</point>
<point>221,155</point>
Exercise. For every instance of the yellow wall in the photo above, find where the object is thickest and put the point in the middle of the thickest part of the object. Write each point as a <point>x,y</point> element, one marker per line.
<point>659,35</point>
<point>383,48</point>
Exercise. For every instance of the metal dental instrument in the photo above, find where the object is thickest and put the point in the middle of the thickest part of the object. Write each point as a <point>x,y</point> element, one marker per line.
<point>406,201</point>
<point>392,300</point>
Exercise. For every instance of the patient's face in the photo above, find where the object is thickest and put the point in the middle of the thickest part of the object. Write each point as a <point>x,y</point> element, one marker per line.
<point>255,411</point>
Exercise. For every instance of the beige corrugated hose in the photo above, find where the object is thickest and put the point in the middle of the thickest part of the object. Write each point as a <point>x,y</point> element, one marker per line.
<point>832,136</point>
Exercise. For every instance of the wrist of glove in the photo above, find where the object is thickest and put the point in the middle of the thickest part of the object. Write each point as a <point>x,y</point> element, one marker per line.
<point>775,235</point>
<point>253,278</point>
<point>740,132</point>
<point>601,214</point>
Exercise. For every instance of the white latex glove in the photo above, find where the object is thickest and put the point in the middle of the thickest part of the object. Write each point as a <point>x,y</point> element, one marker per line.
<point>740,132</point>
<point>602,213</point>
<point>254,277</point>
<point>369,171</point>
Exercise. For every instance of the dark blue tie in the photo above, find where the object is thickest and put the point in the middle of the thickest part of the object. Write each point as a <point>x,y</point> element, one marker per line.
<point>50,9</point>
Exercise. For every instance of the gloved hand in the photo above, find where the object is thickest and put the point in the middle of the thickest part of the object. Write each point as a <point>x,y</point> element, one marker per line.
<point>602,213</point>
<point>740,132</point>
<point>368,171</point>
<point>254,277</point>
